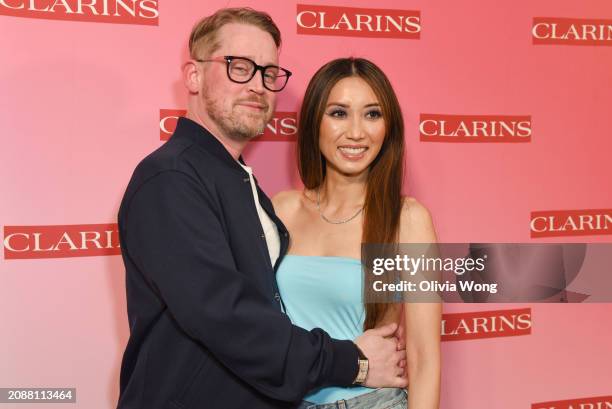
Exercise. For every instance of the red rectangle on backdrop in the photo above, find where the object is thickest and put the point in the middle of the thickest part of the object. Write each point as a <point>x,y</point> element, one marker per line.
<point>475,128</point>
<point>571,31</point>
<point>358,22</point>
<point>598,402</point>
<point>281,128</point>
<point>557,223</point>
<point>167,122</point>
<point>486,324</point>
<point>141,12</point>
<point>74,240</point>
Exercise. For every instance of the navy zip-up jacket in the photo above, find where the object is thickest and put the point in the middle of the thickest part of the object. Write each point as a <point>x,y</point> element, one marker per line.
<point>206,326</point>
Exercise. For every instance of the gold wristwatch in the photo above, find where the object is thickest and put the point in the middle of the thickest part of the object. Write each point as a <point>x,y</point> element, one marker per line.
<point>363,363</point>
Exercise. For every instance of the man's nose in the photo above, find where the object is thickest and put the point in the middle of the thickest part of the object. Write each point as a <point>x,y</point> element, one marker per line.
<point>256,83</point>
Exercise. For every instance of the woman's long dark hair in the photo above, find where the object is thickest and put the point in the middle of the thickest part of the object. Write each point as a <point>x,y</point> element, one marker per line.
<point>383,201</point>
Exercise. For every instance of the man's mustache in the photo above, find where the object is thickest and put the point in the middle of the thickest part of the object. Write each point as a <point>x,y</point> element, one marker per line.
<point>260,101</point>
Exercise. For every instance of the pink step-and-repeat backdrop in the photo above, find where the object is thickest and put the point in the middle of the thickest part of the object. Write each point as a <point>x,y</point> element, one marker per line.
<point>507,110</point>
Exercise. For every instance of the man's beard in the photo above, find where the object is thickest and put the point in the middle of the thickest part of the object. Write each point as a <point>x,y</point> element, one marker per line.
<point>238,126</point>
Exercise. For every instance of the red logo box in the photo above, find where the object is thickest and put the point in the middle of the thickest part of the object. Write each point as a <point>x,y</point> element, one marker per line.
<point>486,324</point>
<point>475,128</point>
<point>76,240</point>
<point>281,128</point>
<point>558,223</point>
<point>141,12</point>
<point>571,31</point>
<point>358,22</point>
<point>598,402</point>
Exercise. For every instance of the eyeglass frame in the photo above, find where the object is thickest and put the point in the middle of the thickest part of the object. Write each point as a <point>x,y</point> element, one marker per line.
<point>228,60</point>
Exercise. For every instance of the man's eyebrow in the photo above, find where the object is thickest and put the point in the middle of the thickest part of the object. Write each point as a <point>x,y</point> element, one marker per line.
<point>252,58</point>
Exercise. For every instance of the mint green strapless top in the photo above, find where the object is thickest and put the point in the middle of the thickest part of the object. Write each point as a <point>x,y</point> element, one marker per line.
<point>324,292</point>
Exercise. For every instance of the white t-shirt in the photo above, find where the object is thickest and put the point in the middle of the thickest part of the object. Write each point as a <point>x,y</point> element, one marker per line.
<point>269,227</point>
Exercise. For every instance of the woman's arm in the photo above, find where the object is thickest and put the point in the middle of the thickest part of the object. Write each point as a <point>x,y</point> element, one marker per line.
<point>422,320</point>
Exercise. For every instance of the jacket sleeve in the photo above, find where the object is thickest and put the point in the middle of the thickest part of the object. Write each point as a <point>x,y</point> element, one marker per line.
<point>174,236</point>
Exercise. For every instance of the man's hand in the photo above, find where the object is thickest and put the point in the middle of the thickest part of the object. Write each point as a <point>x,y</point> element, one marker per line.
<point>386,357</point>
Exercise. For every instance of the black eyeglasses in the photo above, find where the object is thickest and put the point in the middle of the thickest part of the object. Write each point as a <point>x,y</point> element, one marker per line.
<point>241,70</point>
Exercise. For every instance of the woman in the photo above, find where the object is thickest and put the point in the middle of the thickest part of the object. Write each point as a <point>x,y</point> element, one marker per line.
<point>350,158</point>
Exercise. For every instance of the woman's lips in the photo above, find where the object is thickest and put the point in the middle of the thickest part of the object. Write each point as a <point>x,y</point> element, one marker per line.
<point>352,153</point>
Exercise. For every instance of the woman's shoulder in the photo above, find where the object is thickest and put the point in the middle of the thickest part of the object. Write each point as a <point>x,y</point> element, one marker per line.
<point>287,201</point>
<point>416,223</point>
<point>286,198</point>
<point>412,209</point>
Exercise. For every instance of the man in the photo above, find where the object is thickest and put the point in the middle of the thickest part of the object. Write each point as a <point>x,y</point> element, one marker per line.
<point>201,244</point>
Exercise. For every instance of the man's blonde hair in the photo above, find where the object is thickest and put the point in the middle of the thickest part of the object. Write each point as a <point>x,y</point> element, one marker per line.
<point>203,40</point>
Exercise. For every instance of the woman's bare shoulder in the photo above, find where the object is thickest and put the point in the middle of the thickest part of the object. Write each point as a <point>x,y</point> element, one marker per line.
<point>287,202</point>
<point>416,224</point>
<point>413,210</point>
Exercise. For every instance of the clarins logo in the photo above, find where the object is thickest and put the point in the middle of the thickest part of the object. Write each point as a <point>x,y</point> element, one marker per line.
<point>571,31</point>
<point>486,324</point>
<point>597,402</point>
<point>358,22</point>
<point>144,12</point>
<point>77,240</point>
<point>588,222</point>
<point>475,128</point>
<point>281,128</point>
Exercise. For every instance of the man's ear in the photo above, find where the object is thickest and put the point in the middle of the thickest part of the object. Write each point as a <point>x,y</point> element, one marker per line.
<point>192,77</point>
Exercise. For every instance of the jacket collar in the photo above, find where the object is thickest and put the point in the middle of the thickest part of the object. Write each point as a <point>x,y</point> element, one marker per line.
<point>186,128</point>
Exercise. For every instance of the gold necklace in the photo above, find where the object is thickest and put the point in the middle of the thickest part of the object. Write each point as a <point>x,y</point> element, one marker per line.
<point>334,221</point>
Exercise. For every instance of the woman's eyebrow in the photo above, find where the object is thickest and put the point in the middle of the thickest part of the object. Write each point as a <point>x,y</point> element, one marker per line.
<point>340,104</point>
<point>373,104</point>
